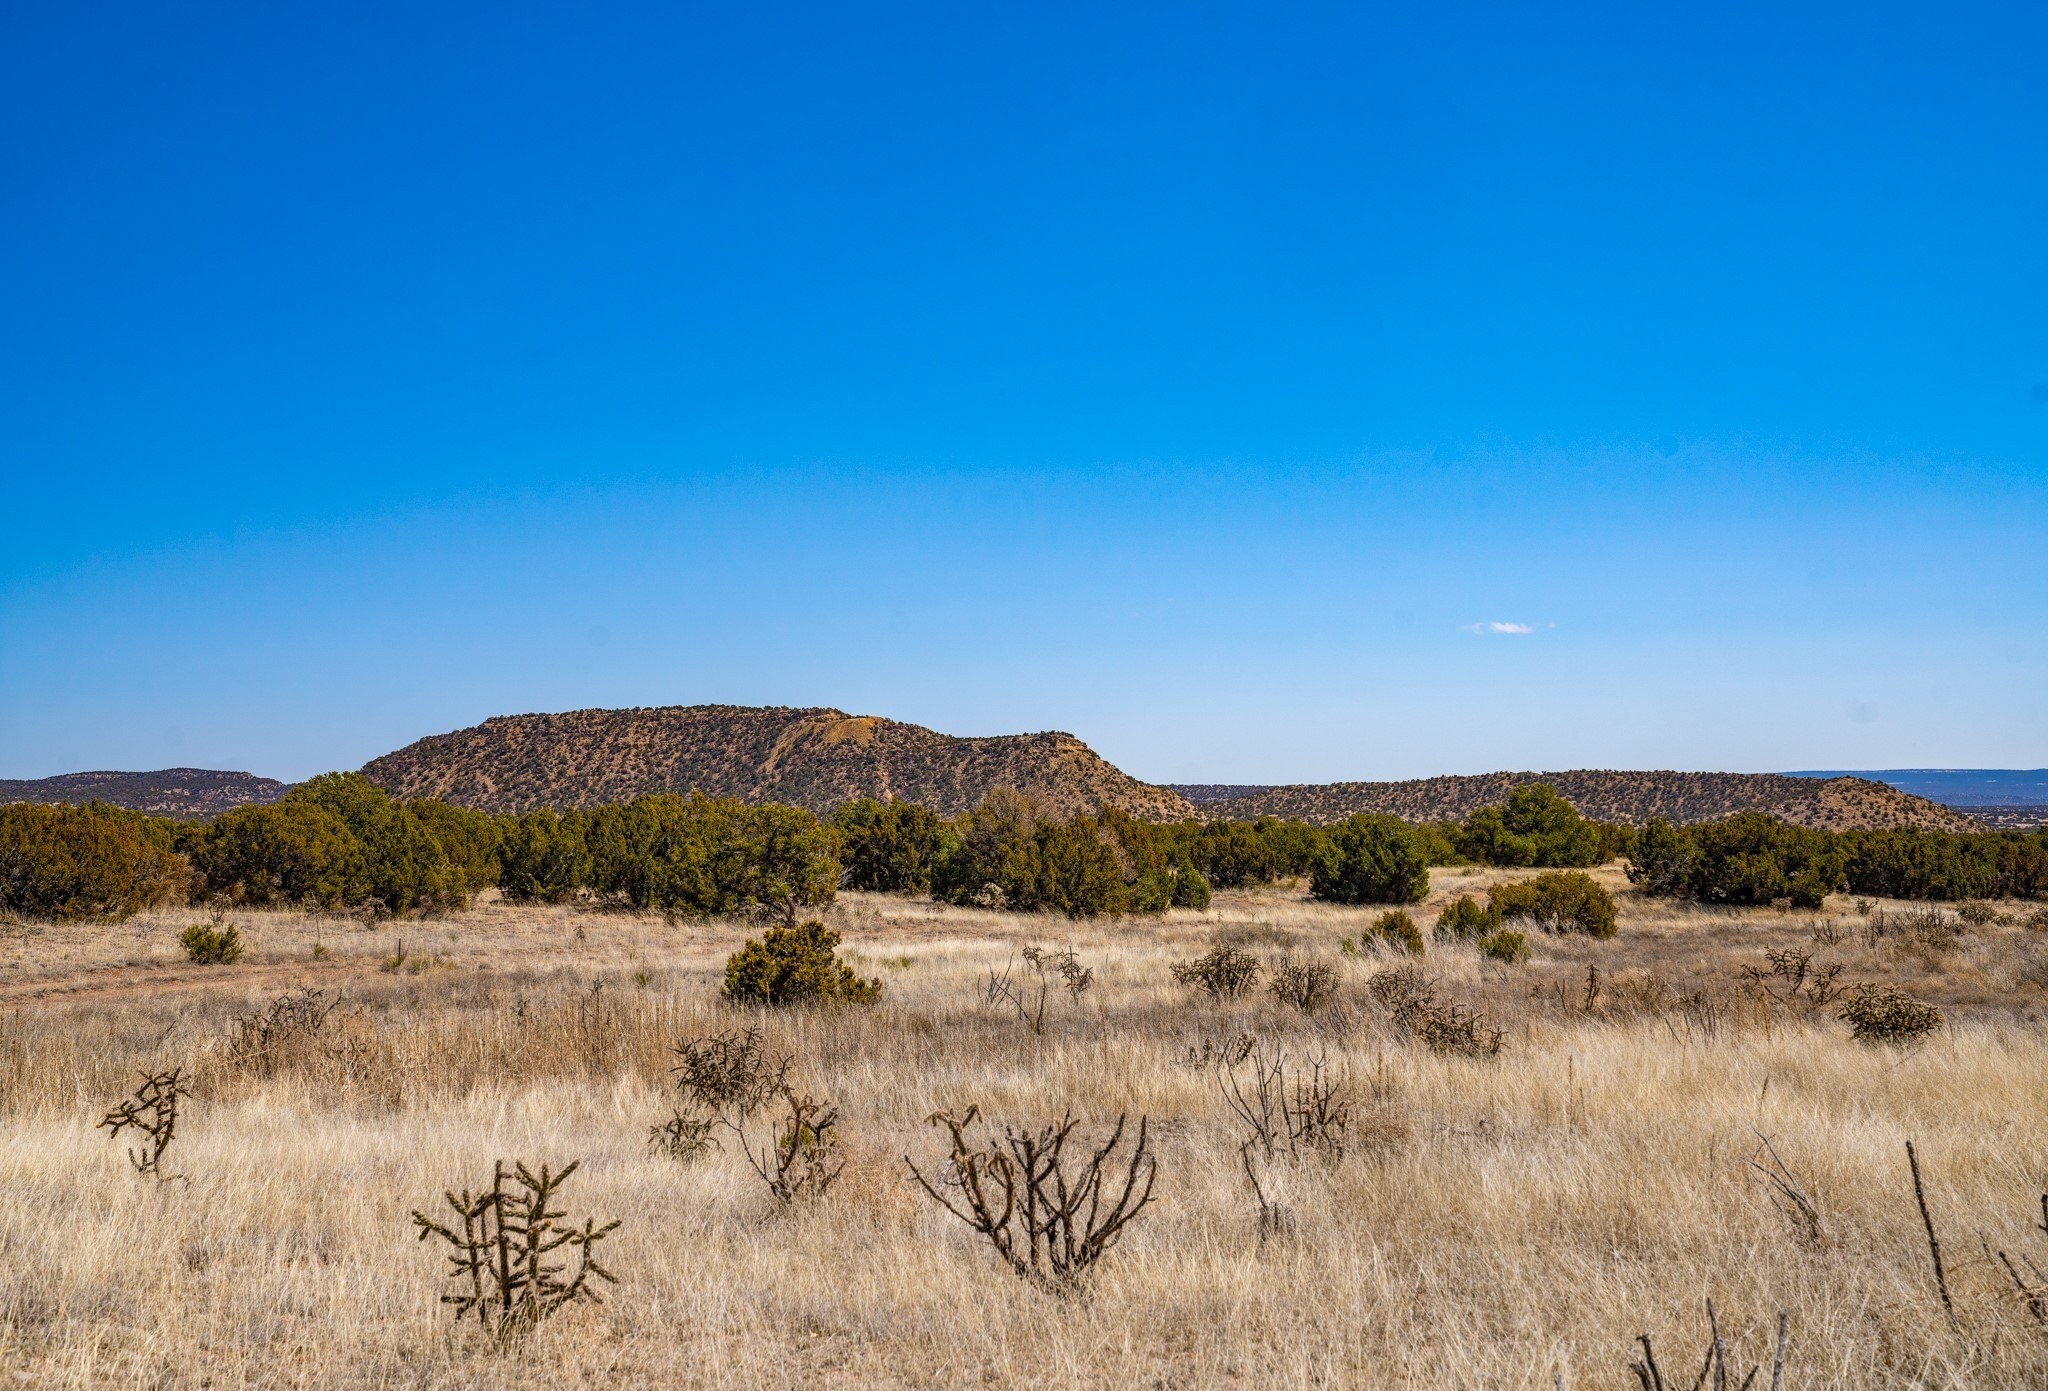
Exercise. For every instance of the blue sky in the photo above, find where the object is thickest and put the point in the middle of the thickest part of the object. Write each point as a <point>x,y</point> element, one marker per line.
<point>1194,378</point>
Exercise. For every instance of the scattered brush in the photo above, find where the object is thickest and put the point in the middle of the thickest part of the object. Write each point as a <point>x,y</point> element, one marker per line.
<point>1222,973</point>
<point>1788,1194</point>
<point>728,1081</point>
<point>1060,968</point>
<point>1443,1026</point>
<point>152,1112</point>
<point>1214,1053</point>
<point>259,1038</point>
<point>1715,1369</point>
<point>502,1241</point>
<point>1050,1215</point>
<point>1793,978</point>
<point>2033,1289</point>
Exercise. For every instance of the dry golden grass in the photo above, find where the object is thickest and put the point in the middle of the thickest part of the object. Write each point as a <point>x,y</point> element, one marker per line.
<point>1495,1223</point>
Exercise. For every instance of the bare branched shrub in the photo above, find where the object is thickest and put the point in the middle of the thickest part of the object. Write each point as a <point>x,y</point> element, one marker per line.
<point>259,1039</point>
<point>1715,1370</point>
<point>683,1136</point>
<point>1223,973</point>
<point>1284,1117</point>
<point>724,1078</point>
<point>800,1156</point>
<point>1792,977</point>
<point>1308,986</point>
<point>2032,1289</point>
<point>1219,1053</point>
<point>1442,1026</point>
<point>152,1112</point>
<point>1050,1215</point>
<point>1977,913</point>
<point>728,1082</point>
<point>1287,1113</point>
<point>1062,968</point>
<point>511,1253</point>
<point>1887,1014</point>
<point>1787,1192</point>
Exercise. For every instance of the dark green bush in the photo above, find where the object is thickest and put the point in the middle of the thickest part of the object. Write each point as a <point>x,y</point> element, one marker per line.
<point>700,855</point>
<point>1504,945</point>
<point>1296,846</point>
<point>468,839</point>
<point>1660,863</point>
<point>887,847</point>
<point>542,857</point>
<point>1536,827</point>
<point>1465,919</point>
<point>1887,1014</point>
<point>82,863</point>
<point>793,966</point>
<point>1556,901</point>
<point>1009,853</point>
<point>1396,931</point>
<point>289,852</point>
<point>1371,859</point>
<point>1753,859</point>
<point>206,945</point>
<point>404,868</point>
<point>1190,888</point>
<point>1232,854</point>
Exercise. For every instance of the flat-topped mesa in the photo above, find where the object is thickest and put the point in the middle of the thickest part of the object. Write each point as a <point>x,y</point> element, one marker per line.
<point>814,758</point>
<point>184,794</point>
<point>1833,804</point>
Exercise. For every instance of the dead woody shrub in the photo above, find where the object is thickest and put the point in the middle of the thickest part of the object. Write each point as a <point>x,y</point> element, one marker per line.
<point>260,1039</point>
<point>728,1082</point>
<point>1029,998</point>
<point>1284,1117</point>
<point>1308,986</point>
<point>510,1252</point>
<point>1049,1214</point>
<point>152,1112</point>
<point>1222,973</point>
<point>1792,977</point>
<point>1715,1370</point>
<point>1442,1026</point>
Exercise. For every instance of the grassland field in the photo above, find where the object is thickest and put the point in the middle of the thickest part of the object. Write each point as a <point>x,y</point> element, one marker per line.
<point>1512,1221</point>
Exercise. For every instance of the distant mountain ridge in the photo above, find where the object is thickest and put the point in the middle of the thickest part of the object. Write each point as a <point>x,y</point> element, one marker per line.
<point>189,794</point>
<point>820,757</point>
<point>813,758</point>
<point>1611,795</point>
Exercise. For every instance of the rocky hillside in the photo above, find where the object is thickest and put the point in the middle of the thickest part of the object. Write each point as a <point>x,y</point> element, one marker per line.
<point>186,793</point>
<point>809,758</point>
<point>1834,804</point>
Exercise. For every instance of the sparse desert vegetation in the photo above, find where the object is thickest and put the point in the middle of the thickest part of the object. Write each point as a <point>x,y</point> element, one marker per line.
<point>1465,1169</point>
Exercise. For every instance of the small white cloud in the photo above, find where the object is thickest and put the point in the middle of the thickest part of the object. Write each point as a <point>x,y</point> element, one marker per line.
<point>1483,628</point>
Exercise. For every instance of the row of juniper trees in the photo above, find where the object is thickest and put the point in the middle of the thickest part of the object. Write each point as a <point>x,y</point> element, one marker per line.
<point>339,842</point>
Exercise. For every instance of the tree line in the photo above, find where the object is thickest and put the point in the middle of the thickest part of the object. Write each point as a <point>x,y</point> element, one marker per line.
<point>339,842</point>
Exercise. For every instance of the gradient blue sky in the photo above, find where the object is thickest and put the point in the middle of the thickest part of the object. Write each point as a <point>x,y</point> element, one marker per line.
<point>1194,378</point>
